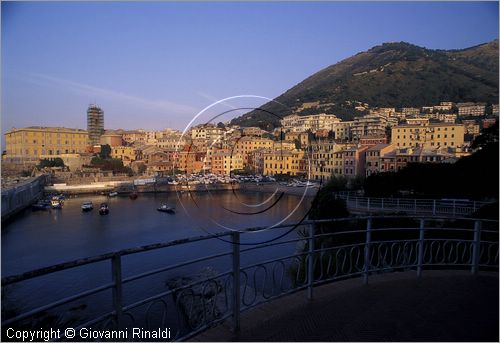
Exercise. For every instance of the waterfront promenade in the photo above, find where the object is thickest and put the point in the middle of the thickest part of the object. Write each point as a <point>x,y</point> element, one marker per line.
<point>441,306</point>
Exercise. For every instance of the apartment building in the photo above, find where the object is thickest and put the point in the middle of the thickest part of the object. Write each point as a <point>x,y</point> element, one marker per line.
<point>127,154</point>
<point>252,131</point>
<point>417,121</point>
<point>283,162</point>
<point>224,162</point>
<point>371,125</point>
<point>354,161</point>
<point>373,140</point>
<point>246,144</point>
<point>434,135</point>
<point>373,155</point>
<point>342,130</point>
<point>471,127</point>
<point>296,123</point>
<point>410,111</point>
<point>208,132</point>
<point>494,110</point>
<point>466,109</point>
<point>35,141</point>
<point>326,160</point>
<point>399,158</point>
<point>134,136</point>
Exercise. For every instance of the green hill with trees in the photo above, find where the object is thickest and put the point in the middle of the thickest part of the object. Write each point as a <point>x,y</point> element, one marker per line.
<point>389,75</point>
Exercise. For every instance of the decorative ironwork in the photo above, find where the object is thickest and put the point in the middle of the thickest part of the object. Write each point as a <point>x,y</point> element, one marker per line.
<point>188,305</point>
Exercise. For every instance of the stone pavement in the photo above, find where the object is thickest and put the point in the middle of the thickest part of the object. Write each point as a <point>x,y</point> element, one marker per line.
<point>441,306</point>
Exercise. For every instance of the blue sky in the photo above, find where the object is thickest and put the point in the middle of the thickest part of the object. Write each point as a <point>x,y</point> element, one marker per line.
<point>155,65</point>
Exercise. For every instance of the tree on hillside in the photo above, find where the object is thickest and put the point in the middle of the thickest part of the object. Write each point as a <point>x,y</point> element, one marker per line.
<point>105,151</point>
<point>487,136</point>
<point>56,162</point>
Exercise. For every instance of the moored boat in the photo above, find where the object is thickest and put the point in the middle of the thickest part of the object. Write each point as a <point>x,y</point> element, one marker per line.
<point>56,204</point>
<point>133,195</point>
<point>41,205</point>
<point>103,209</point>
<point>112,194</point>
<point>166,208</point>
<point>87,206</point>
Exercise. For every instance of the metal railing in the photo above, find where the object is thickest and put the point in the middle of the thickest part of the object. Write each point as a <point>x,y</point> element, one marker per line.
<point>323,251</point>
<point>435,207</point>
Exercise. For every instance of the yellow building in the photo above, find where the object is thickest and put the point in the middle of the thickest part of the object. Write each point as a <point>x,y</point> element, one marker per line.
<point>245,145</point>
<point>283,162</point>
<point>127,154</point>
<point>35,141</point>
<point>435,135</point>
<point>327,160</point>
<point>225,162</point>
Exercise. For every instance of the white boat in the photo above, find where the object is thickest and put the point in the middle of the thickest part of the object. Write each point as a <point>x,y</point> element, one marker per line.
<point>55,203</point>
<point>166,208</point>
<point>87,206</point>
<point>113,194</point>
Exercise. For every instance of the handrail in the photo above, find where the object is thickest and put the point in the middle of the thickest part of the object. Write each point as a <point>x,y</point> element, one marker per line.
<point>450,207</point>
<point>200,303</point>
<point>128,251</point>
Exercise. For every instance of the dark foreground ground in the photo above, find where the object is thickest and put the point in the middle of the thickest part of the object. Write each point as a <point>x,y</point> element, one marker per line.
<point>441,306</point>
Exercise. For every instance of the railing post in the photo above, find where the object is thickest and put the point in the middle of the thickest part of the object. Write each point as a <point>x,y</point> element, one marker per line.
<point>434,207</point>
<point>116,270</point>
<point>415,206</point>
<point>382,203</point>
<point>474,207</point>
<point>397,204</point>
<point>310,263</point>
<point>420,248</point>
<point>368,204</point>
<point>236,281</point>
<point>367,249</point>
<point>356,203</point>
<point>476,247</point>
<point>453,207</point>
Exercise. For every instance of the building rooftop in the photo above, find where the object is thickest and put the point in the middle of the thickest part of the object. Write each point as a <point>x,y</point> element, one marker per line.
<point>46,128</point>
<point>378,147</point>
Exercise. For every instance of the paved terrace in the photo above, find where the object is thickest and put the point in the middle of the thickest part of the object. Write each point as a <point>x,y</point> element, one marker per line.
<point>441,306</point>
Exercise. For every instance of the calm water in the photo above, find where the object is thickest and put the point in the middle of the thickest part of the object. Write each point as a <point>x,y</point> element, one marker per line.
<point>39,239</point>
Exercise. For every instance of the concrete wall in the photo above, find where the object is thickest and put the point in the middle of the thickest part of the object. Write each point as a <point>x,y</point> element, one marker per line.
<point>21,196</point>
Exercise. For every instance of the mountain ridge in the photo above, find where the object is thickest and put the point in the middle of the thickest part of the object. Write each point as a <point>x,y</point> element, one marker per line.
<point>393,74</point>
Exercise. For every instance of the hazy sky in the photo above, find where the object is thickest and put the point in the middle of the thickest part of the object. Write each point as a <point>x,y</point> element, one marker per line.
<point>155,65</point>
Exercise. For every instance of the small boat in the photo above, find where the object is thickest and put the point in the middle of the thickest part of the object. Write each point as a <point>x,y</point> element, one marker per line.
<point>59,197</point>
<point>87,206</point>
<point>56,204</point>
<point>112,194</point>
<point>133,195</point>
<point>103,209</point>
<point>41,205</point>
<point>167,209</point>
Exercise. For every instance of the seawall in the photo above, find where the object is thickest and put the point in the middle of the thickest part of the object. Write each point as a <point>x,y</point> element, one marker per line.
<point>19,197</point>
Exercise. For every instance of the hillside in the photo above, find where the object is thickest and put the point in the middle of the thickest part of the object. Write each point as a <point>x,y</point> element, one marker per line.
<point>389,75</point>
